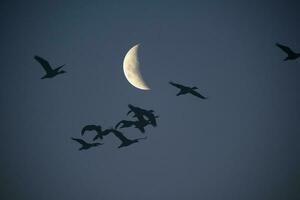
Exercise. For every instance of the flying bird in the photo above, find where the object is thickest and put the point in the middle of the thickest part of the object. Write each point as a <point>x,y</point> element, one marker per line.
<point>50,72</point>
<point>186,90</point>
<point>124,140</point>
<point>291,55</point>
<point>98,129</point>
<point>137,124</point>
<point>142,113</point>
<point>85,145</point>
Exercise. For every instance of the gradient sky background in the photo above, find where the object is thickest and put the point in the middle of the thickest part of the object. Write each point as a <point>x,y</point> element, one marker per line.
<point>240,144</point>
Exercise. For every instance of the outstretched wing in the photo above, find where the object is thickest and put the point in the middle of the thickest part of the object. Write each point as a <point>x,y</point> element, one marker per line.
<point>45,64</point>
<point>90,128</point>
<point>177,85</point>
<point>120,136</point>
<point>80,141</point>
<point>193,92</point>
<point>285,49</point>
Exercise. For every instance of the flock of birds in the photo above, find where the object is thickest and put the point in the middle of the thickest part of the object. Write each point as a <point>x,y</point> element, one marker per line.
<point>144,117</point>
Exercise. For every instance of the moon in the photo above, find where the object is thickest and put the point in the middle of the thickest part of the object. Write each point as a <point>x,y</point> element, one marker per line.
<point>131,68</point>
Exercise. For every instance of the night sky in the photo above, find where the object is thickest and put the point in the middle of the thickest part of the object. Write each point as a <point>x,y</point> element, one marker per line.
<point>242,143</point>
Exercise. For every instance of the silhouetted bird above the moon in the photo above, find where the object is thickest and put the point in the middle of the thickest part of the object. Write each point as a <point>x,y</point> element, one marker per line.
<point>137,124</point>
<point>98,129</point>
<point>50,72</point>
<point>142,113</point>
<point>186,90</point>
<point>85,145</point>
<point>125,141</point>
<point>291,54</point>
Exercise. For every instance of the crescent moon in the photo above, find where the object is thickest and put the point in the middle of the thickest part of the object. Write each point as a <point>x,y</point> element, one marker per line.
<point>131,68</point>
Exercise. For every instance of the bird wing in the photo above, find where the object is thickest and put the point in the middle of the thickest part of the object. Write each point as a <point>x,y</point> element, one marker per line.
<point>90,128</point>
<point>80,141</point>
<point>120,122</point>
<point>130,111</point>
<point>58,68</point>
<point>197,94</point>
<point>285,49</point>
<point>98,136</point>
<point>177,85</point>
<point>152,119</point>
<point>120,136</point>
<point>139,116</point>
<point>107,131</point>
<point>45,64</point>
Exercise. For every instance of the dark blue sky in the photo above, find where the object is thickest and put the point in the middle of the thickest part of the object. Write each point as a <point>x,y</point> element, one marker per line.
<point>242,143</point>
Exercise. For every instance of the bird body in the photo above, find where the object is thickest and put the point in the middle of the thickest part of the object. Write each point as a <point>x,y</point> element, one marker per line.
<point>50,72</point>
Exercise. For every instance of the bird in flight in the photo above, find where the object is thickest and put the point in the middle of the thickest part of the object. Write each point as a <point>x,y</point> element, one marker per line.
<point>50,72</point>
<point>98,129</point>
<point>291,55</point>
<point>186,90</point>
<point>142,113</point>
<point>85,145</point>
<point>137,124</point>
<point>124,140</point>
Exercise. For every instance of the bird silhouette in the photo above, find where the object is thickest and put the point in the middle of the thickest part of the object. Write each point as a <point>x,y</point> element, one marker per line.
<point>137,124</point>
<point>140,114</point>
<point>124,140</point>
<point>85,145</point>
<point>291,54</point>
<point>98,129</point>
<point>50,72</point>
<point>186,90</point>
